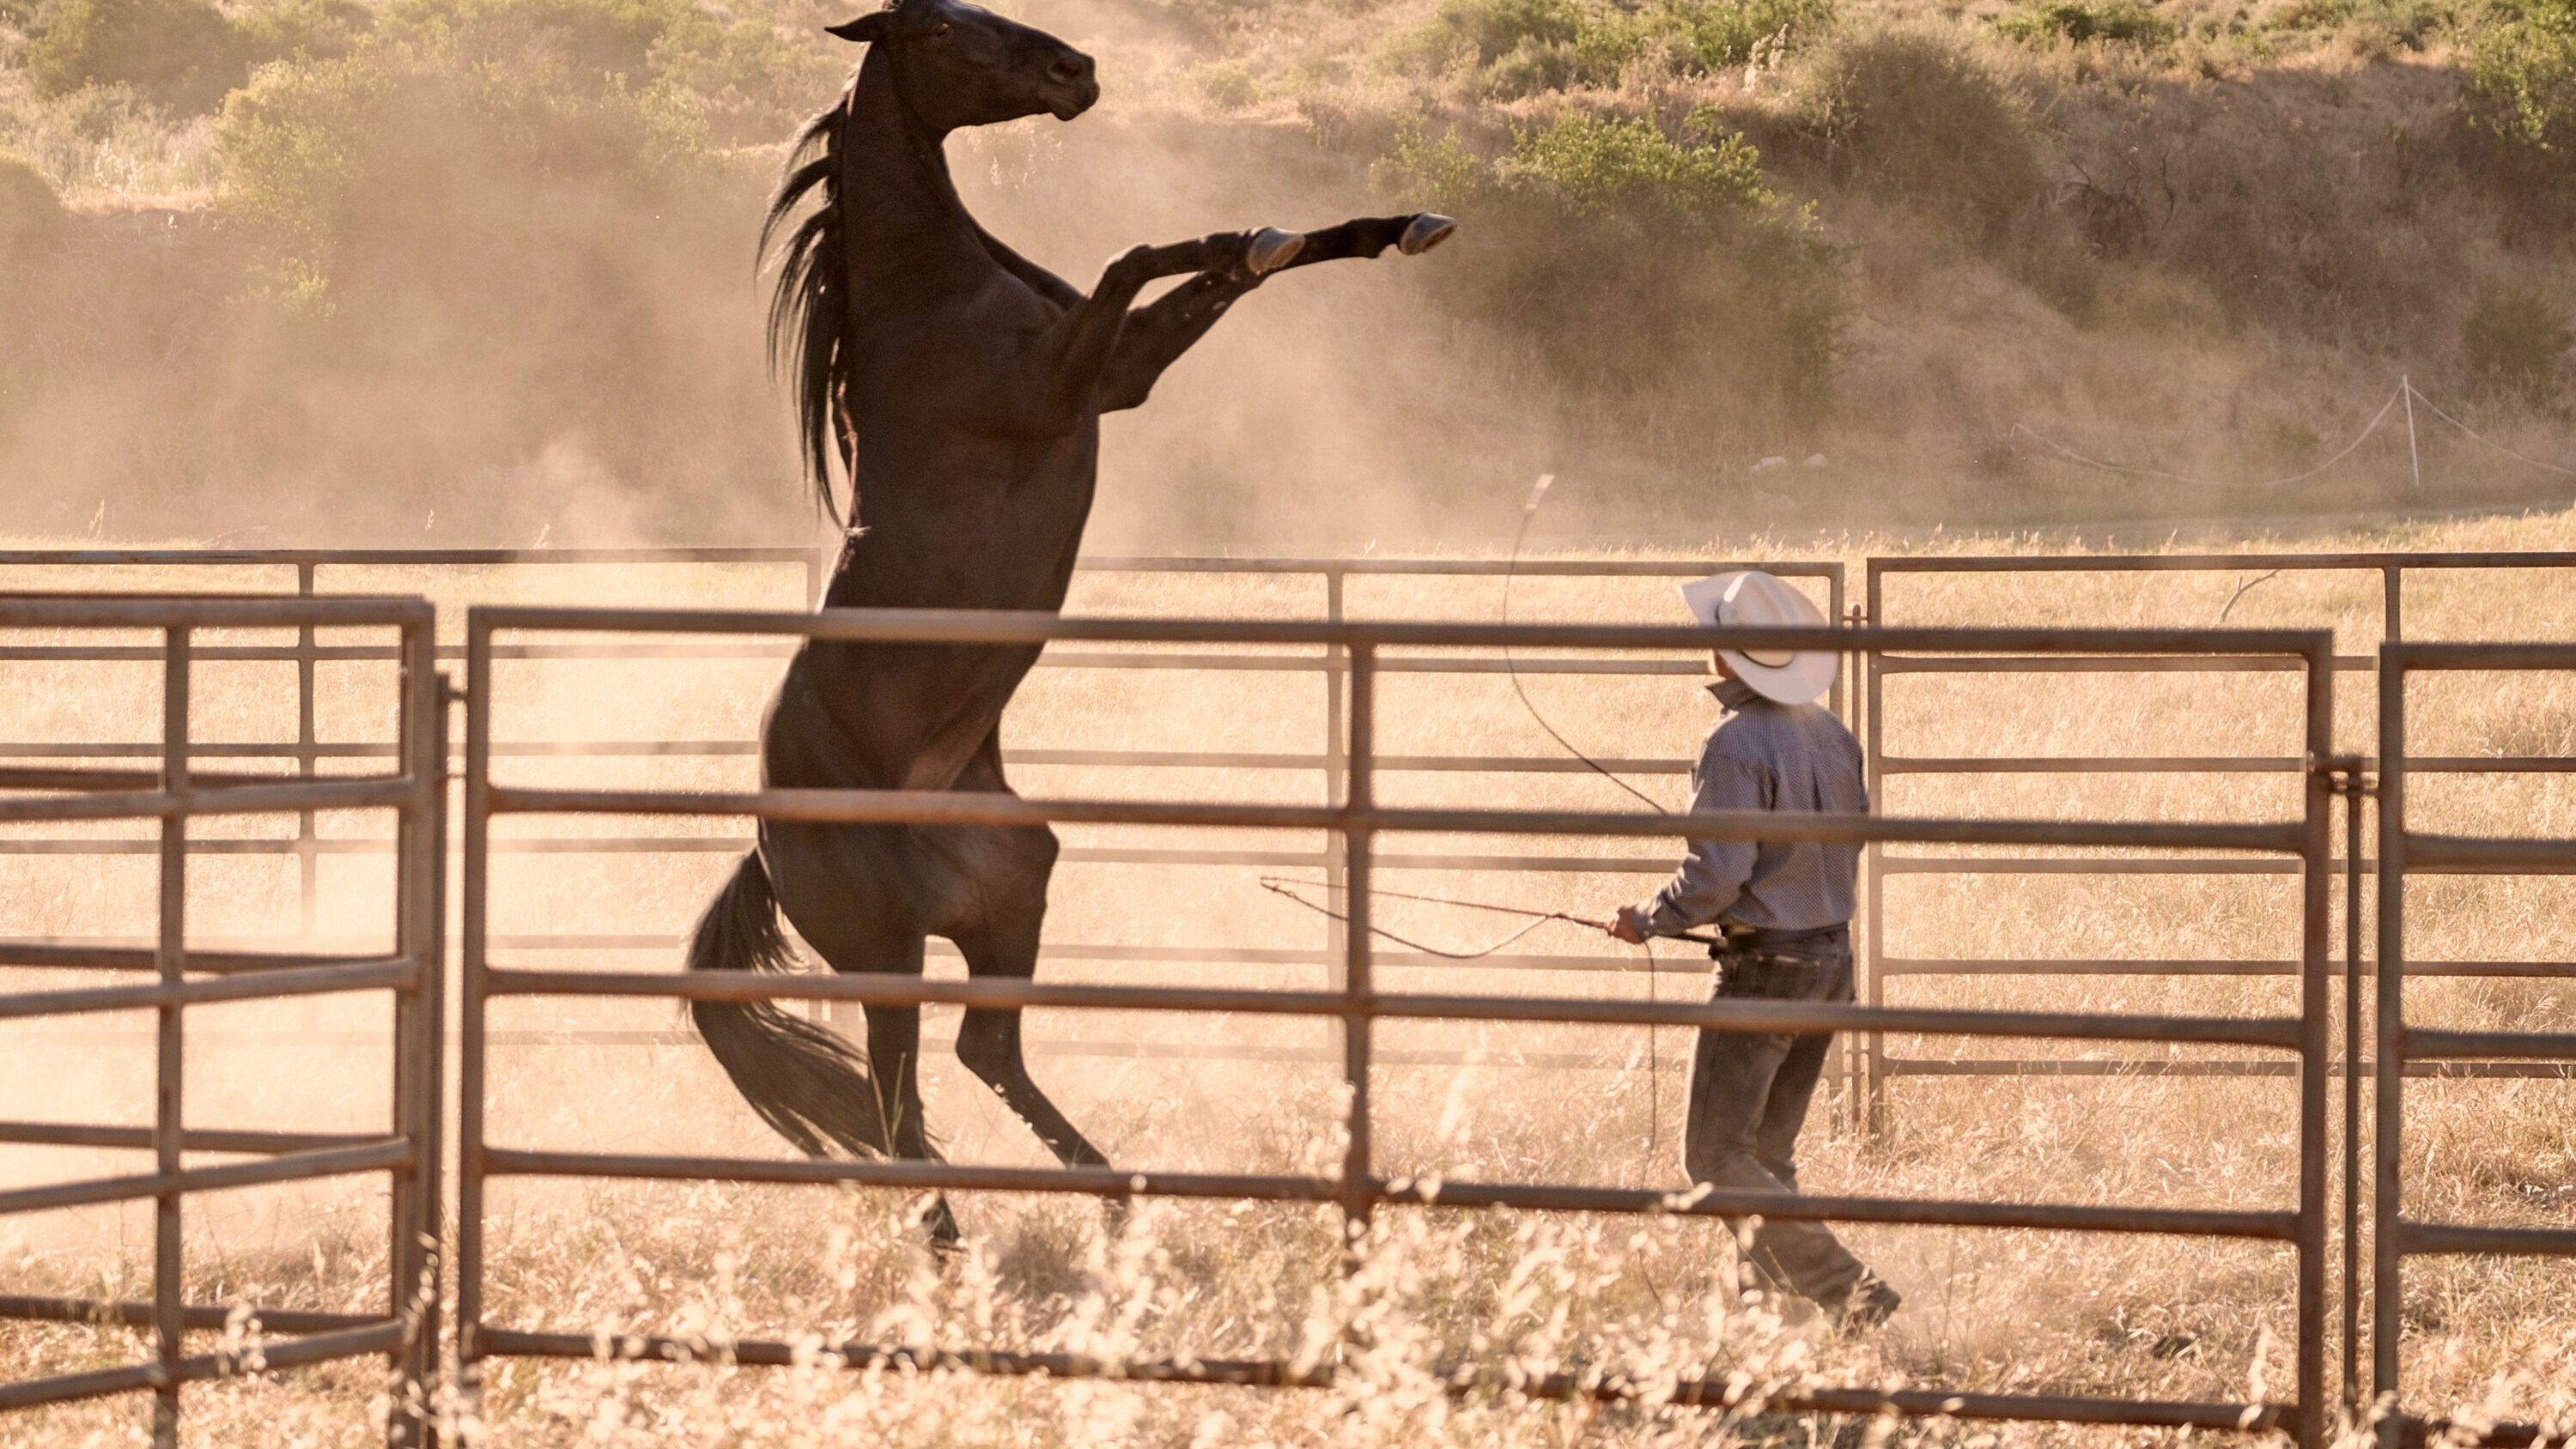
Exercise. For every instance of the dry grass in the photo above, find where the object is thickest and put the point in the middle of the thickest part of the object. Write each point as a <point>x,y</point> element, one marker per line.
<point>1985,1310</point>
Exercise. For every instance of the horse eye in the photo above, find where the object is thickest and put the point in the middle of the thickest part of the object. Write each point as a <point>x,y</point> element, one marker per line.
<point>942,28</point>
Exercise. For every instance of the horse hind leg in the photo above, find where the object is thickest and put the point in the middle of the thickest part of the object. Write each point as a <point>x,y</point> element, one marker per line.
<point>894,1059</point>
<point>894,1049</point>
<point>988,1040</point>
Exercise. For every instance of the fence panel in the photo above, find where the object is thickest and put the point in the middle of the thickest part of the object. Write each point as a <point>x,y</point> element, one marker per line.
<point>1358,1003</point>
<point>182,977</point>
<point>2405,851</point>
<point>2390,571</point>
<point>1329,589</point>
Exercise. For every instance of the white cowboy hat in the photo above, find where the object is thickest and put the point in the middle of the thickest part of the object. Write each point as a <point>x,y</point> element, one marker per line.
<point>1752,599</point>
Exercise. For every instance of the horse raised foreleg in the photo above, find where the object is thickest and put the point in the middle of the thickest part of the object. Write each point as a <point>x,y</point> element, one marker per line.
<point>1071,357</point>
<point>1368,236</point>
<point>1158,333</point>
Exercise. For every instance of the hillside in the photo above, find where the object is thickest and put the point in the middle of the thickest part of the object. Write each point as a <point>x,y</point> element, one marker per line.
<point>481,270</point>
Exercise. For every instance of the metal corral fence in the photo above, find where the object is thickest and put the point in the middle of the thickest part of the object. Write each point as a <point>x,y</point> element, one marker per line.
<point>1357,820</point>
<point>1887,760</point>
<point>173,793</point>
<point>1332,579</point>
<point>2420,1051</point>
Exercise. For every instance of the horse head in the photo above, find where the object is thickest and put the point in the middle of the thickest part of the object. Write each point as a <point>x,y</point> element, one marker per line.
<point>957,64</point>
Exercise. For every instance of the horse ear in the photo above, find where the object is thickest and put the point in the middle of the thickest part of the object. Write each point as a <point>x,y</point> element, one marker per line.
<point>869,27</point>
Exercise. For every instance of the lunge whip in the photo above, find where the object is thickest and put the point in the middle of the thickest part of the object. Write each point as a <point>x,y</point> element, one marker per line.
<point>1529,512</point>
<point>1283,886</point>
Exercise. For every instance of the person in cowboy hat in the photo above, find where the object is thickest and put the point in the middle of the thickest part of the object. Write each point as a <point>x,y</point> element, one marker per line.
<point>1786,914</point>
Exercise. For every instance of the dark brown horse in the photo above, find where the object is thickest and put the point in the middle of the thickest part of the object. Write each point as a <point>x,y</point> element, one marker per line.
<point>961,386</point>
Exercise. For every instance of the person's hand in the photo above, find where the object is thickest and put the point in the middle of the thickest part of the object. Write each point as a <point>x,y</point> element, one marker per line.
<point>1629,925</point>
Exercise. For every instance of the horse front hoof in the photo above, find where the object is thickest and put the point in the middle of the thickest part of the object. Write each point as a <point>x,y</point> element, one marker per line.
<point>1270,249</point>
<point>1425,232</point>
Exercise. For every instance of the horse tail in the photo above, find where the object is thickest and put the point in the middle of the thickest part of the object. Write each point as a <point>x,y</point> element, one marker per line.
<point>803,1079</point>
<point>809,310</point>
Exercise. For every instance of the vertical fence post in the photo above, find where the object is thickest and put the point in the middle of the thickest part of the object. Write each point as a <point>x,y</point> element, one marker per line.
<point>1358,1188</point>
<point>1874,1107</point>
<point>419,1041</point>
<point>2316,1037</point>
<point>308,891</point>
<point>168,1123</point>
<point>470,1045</point>
<point>2355,792</point>
<point>1843,1063</point>
<point>1336,756</point>
<point>2387,1066</point>
<point>2388,1106</point>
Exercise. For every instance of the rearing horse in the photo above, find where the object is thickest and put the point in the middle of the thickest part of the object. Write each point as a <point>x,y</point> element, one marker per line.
<point>962,386</point>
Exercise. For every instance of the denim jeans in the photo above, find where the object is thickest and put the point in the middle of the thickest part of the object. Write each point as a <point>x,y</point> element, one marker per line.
<point>1748,1100</point>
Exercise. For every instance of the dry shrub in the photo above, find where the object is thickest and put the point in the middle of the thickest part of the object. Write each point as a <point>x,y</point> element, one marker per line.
<point>1719,288</point>
<point>182,52</point>
<point>31,216</point>
<point>1914,112</point>
<point>2516,342</point>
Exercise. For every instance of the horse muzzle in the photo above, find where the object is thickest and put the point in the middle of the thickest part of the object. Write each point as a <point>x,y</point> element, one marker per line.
<point>1069,99</point>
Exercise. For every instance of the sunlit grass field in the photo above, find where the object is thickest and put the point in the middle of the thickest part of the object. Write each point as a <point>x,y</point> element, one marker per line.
<point>1985,1310</point>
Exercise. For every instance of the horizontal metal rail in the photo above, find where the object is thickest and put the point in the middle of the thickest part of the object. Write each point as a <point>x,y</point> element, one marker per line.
<point>384,1338</point>
<point>233,799</point>
<point>2424,1044</point>
<point>2416,1240</point>
<point>2072,966</point>
<point>389,1154</point>
<point>1121,1183</point>
<point>811,555</point>
<point>1717,1015</point>
<point>1465,1382</point>
<point>209,611</point>
<point>100,955</point>
<point>941,807</point>
<point>2497,856</point>
<point>397,974</point>
<point>199,1317</point>
<point>985,626</point>
<point>195,1139</point>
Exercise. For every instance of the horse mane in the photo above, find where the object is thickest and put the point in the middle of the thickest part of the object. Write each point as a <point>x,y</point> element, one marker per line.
<point>809,312</point>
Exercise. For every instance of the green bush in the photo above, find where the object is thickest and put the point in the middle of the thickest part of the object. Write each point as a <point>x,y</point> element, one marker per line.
<point>31,216</point>
<point>1518,47</point>
<point>1638,266</point>
<point>183,54</point>
<point>2517,343</point>
<point>489,112</point>
<point>2522,70</point>
<point>2079,21</point>
<point>1914,113</point>
<point>316,29</point>
<point>179,53</point>
<point>1230,86</point>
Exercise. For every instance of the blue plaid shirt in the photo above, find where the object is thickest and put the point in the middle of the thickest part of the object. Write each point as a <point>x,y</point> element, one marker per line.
<point>1767,756</point>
